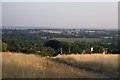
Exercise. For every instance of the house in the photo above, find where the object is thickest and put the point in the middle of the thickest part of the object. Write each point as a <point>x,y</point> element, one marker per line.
<point>104,50</point>
<point>87,51</point>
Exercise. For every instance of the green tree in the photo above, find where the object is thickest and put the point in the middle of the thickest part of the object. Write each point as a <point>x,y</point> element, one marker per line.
<point>75,48</point>
<point>14,45</point>
<point>53,44</point>
<point>47,51</point>
<point>4,46</point>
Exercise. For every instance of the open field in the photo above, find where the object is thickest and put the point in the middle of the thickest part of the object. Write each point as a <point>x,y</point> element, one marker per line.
<point>18,65</point>
<point>106,64</point>
<point>78,39</point>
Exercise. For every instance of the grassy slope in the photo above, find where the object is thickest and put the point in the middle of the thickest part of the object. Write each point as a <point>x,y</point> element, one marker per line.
<point>78,39</point>
<point>16,65</point>
<point>106,64</point>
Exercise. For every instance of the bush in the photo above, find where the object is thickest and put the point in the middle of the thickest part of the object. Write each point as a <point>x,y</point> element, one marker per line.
<point>53,44</point>
<point>4,47</point>
<point>47,51</point>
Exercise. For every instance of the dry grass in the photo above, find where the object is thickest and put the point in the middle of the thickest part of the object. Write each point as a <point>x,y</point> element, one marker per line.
<point>0,66</point>
<point>18,65</point>
<point>106,64</point>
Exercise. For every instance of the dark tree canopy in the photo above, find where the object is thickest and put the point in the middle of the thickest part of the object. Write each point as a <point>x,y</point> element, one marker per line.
<point>53,44</point>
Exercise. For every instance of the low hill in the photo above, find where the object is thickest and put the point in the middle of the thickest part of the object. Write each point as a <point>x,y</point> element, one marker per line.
<point>106,64</point>
<point>18,65</point>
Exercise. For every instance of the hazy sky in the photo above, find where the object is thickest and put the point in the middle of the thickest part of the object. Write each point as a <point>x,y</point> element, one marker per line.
<point>59,0</point>
<point>61,14</point>
<point>0,14</point>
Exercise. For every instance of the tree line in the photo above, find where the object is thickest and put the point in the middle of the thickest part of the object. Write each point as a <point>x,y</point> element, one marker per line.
<point>25,42</point>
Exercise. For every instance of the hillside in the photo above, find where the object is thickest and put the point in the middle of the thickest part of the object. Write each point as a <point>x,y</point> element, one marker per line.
<point>18,65</point>
<point>106,64</point>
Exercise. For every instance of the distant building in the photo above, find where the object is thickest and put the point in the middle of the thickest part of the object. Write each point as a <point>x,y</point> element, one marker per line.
<point>91,49</point>
<point>44,37</point>
<point>104,50</point>
<point>52,31</point>
<point>87,51</point>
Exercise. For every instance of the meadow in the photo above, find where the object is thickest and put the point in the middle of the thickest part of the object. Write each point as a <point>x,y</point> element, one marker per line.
<point>106,64</point>
<point>78,39</point>
<point>18,65</point>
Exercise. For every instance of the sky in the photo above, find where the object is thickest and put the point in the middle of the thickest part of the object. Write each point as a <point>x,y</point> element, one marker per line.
<point>101,15</point>
<point>59,0</point>
<point>0,15</point>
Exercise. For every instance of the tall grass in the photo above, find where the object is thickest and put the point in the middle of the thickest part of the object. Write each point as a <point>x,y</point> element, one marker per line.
<point>0,66</point>
<point>106,64</point>
<point>18,65</point>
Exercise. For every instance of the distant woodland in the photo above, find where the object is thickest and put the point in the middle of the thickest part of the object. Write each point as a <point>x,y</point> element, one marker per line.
<point>51,42</point>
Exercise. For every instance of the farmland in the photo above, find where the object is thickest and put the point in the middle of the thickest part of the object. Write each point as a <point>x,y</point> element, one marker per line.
<point>18,65</point>
<point>78,39</point>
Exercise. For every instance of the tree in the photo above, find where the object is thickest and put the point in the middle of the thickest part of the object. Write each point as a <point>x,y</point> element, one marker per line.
<point>75,48</point>
<point>65,47</point>
<point>53,44</point>
<point>14,45</point>
<point>4,47</point>
<point>47,51</point>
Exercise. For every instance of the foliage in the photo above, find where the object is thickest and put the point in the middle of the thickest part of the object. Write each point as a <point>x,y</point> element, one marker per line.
<point>78,39</point>
<point>33,41</point>
<point>53,44</point>
<point>47,52</point>
<point>4,47</point>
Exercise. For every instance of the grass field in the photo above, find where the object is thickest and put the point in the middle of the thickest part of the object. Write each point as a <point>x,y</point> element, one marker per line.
<point>106,64</point>
<point>78,39</point>
<point>18,65</point>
